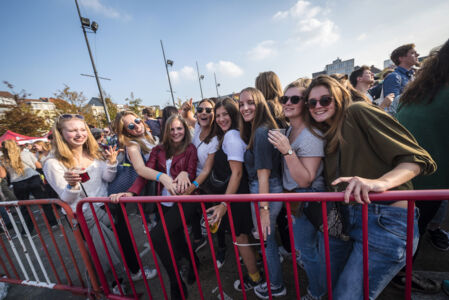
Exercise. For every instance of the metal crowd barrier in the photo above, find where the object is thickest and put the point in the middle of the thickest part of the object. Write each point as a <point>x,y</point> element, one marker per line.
<point>28,259</point>
<point>411,197</point>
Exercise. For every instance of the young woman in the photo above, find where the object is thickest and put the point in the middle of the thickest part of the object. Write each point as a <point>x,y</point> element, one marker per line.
<point>21,167</point>
<point>175,158</point>
<point>43,150</point>
<point>75,147</point>
<point>263,164</point>
<point>366,151</point>
<point>302,172</point>
<point>206,144</point>
<point>228,167</point>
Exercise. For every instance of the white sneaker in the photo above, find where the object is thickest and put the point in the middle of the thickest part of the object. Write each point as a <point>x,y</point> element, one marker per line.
<point>116,290</point>
<point>149,274</point>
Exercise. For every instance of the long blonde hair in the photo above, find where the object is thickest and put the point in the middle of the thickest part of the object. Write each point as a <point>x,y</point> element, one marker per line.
<point>11,156</point>
<point>124,138</point>
<point>62,150</point>
<point>342,99</point>
<point>46,147</point>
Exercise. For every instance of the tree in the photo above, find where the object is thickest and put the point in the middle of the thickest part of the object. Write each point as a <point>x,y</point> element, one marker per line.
<point>17,96</point>
<point>134,103</point>
<point>23,120</point>
<point>63,107</point>
<point>73,97</point>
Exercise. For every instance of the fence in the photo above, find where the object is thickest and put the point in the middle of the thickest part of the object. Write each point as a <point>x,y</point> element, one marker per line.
<point>28,261</point>
<point>411,197</point>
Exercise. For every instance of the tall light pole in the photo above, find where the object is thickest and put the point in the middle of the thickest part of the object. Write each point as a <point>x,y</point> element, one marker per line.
<point>200,77</point>
<point>85,22</point>
<point>216,84</point>
<point>166,63</point>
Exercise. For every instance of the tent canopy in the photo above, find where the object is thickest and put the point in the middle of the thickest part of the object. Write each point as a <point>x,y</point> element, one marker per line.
<point>20,139</point>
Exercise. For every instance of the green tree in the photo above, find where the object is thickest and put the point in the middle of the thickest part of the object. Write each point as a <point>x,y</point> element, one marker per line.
<point>134,103</point>
<point>23,120</point>
<point>73,97</point>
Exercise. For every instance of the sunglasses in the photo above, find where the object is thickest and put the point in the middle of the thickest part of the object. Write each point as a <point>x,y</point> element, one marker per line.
<point>201,109</point>
<point>70,116</point>
<point>131,126</point>
<point>324,101</point>
<point>293,99</point>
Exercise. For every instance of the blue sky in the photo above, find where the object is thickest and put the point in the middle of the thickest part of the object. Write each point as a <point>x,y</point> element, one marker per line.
<point>43,46</point>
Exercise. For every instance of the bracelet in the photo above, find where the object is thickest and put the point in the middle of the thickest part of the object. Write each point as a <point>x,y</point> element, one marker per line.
<point>224,204</point>
<point>158,176</point>
<point>69,187</point>
<point>195,184</point>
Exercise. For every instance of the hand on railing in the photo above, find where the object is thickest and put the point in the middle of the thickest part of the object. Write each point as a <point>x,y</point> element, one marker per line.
<point>360,187</point>
<point>115,198</point>
<point>182,182</point>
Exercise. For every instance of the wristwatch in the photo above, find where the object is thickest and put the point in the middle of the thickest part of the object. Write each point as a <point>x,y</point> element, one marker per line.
<point>289,152</point>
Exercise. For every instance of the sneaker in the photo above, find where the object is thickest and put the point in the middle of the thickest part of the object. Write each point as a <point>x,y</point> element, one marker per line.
<point>309,297</point>
<point>199,244</point>
<point>249,284</point>
<point>439,239</point>
<point>149,274</point>
<point>420,284</point>
<point>221,255</point>
<point>116,290</point>
<point>261,291</point>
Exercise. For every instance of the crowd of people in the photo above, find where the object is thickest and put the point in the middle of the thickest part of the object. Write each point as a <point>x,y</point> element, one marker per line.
<point>330,133</point>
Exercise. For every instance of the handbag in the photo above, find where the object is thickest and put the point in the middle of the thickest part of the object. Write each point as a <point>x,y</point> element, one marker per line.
<point>214,185</point>
<point>125,177</point>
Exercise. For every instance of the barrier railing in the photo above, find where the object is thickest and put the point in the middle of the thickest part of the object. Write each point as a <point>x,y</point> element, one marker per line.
<point>180,201</point>
<point>28,264</point>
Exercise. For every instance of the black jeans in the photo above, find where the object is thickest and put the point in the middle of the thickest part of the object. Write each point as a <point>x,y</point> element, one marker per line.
<point>32,186</point>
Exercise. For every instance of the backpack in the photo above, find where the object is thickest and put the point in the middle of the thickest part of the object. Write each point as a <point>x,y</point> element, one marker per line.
<point>125,177</point>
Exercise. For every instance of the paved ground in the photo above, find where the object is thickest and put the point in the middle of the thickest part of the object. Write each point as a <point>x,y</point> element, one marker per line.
<point>431,262</point>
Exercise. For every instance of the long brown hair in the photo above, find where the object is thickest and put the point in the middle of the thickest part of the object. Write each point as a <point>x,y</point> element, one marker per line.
<point>270,86</point>
<point>232,108</point>
<point>62,150</point>
<point>431,77</point>
<point>169,147</point>
<point>123,136</point>
<point>262,117</point>
<point>11,156</point>
<point>342,99</point>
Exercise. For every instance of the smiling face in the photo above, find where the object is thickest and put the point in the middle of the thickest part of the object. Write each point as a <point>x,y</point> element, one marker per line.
<point>289,109</point>
<point>204,118</point>
<point>177,131</point>
<point>223,118</point>
<point>74,132</point>
<point>321,113</point>
<point>139,128</point>
<point>247,106</point>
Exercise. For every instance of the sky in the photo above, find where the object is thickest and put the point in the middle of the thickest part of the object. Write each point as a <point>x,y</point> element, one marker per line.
<point>43,47</point>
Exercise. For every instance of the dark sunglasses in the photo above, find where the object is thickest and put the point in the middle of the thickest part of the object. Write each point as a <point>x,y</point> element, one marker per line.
<point>70,116</point>
<point>293,99</point>
<point>201,109</point>
<point>324,101</point>
<point>131,126</point>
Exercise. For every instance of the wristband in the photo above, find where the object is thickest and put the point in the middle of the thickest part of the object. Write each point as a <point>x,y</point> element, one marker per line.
<point>158,176</point>
<point>224,204</point>
<point>69,187</point>
<point>196,184</point>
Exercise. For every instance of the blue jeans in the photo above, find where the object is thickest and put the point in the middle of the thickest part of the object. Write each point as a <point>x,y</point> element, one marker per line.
<point>272,252</point>
<point>387,232</point>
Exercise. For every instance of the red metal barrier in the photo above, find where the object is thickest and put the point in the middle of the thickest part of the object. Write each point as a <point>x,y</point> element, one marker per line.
<point>35,259</point>
<point>411,196</point>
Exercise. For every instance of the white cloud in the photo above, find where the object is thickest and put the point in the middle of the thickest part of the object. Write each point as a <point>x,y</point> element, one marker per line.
<point>174,75</point>
<point>362,37</point>
<point>225,67</point>
<point>186,73</point>
<point>109,12</point>
<point>263,50</point>
<point>313,27</point>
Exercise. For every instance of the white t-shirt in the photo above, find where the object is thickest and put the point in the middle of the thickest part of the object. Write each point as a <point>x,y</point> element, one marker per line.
<point>202,149</point>
<point>233,146</point>
<point>164,190</point>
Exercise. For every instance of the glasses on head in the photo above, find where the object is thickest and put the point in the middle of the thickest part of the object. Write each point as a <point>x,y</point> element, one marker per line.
<point>324,101</point>
<point>70,116</point>
<point>293,99</point>
<point>201,109</point>
<point>133,125</point>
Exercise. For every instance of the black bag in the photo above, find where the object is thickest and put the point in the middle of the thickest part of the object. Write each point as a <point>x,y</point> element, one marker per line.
<point>214,185</point>
<point>126,175</point>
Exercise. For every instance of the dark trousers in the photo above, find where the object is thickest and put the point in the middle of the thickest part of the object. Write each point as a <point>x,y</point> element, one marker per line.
<point>32,186</point>
<point>177,237</point>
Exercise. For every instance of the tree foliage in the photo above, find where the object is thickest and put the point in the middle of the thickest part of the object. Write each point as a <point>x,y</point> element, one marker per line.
<point>134,103</point>
<point>73,97</point>
<point>21,119</point>
<point>17,95</point>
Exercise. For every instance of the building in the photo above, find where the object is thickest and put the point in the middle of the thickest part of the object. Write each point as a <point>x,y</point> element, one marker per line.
<point>337,66</point>
<point>96,106</point>
<point>7,102</point>
<point>41,107</point>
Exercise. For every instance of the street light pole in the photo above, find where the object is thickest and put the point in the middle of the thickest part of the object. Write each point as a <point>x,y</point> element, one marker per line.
<point>216,84</point>
<point>93,65</point>
<point>199,79</point>
<point>168,74</point>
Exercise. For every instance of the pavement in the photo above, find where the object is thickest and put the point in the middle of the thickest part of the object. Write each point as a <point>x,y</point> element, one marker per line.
<point>430,262</point>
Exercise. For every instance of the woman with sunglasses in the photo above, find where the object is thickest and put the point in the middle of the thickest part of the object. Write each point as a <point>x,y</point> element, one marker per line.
<point>263,164</point>
<point>302,172</point>
<point>75,147</point>
<point>228,167</point>
<point>175,158</point>
<point>366,151</point>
